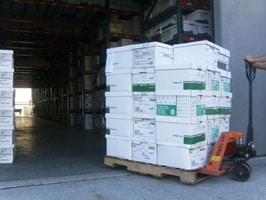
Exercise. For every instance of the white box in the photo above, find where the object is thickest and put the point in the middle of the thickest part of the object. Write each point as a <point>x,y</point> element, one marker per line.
<point>225,106</point>
<point>169,33</point>
<point>6,116</point>
<point>144,151</point>
<point>182,109</point>
<point>7,155</point>
<point>213,80</point>
<point>6,97</point>
<point>224,124</point>
<point>118,82</point>
<point>213,130</point>
<point>212,107</point>
<point>6,78</point>
<point>171,155</point>
<point>119,103</point>
<point>169,22</point>
<point>144,104</point>
<point>6,59</point>
<point>185,65</point>
<point>119,59</point>
<point>119,126</point>
<point>119,147</point>
<point>190,27</point>
<point>7,136</point>
<point>151,54</point>
<point>144,128</point>
<point>202,16</point>
<point>205,30</point>
<point>225,82</point>
<point>180,80</point>
<point>181,134</point>
<point>203,52</point>
<point>143,81</point>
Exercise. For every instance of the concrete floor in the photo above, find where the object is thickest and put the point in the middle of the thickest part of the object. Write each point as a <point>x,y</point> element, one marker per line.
<point>56,162</point>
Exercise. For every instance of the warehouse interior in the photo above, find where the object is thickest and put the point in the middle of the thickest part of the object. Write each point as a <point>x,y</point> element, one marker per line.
<point>60,52</point>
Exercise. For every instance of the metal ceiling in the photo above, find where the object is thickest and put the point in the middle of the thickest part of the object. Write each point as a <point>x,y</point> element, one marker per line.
<point>41,30</point>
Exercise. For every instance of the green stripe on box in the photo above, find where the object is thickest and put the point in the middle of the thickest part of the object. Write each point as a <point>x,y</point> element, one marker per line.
<point>194,139</point>
<point>225,111</point>
<point>143,87</point>
<point>201,110</point>
<point>107,110</point>
<point>194,85</point>
<point>212,111</point>
<point>108,88</point>
<point>166,110</point>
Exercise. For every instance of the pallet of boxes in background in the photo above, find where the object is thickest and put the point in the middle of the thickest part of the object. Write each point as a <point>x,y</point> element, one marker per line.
<point>7,118</point>
<point>168,109</point>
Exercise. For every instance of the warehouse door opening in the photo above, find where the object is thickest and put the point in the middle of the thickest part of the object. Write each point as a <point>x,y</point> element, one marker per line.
<point>23,102</point>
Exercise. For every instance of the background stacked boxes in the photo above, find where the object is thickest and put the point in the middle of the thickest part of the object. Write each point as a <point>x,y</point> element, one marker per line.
<point>196,23</point>
<point>7,119</point>
<point>192,95</point>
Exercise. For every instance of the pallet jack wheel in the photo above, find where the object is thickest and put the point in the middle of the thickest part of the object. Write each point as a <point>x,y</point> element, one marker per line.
<point>241,172</point>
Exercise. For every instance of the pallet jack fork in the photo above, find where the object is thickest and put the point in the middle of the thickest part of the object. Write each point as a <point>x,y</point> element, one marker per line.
<point>227,152</point>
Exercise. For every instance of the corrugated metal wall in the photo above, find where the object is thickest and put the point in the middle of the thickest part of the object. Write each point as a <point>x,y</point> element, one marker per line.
<point>240,27</point>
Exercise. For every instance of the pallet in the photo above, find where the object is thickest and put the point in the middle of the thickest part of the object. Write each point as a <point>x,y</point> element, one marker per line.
<point>185,176</point>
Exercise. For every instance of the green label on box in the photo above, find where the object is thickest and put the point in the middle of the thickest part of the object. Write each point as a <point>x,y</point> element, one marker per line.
<point>143,87</point>
<point>201,110</point>
<point>107,110</point>
<point>212,111</point>
<point>194,85</point>
<point>215,85</point>
<point>107,132</point>
<point>166,110</point>
<point>225,111</point>
<point>194,139</point>
<point>108,88</point>
<point>226,87</point>
<point>215,132</point>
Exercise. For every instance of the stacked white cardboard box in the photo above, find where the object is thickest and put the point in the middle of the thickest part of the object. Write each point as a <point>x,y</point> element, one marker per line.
<point>190,92</point>
<point>7,120</point>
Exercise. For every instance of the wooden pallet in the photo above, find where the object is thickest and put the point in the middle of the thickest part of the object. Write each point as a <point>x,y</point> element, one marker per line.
<point>185,176</point>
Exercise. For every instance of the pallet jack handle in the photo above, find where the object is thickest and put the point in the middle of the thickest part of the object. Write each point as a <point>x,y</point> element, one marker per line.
<point>250,73</point>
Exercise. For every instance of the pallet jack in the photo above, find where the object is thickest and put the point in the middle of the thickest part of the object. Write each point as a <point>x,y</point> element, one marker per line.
<point>230,153</point>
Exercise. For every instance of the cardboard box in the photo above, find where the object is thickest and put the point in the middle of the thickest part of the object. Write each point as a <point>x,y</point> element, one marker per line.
<point>205,30</point>
<point>169,33</point>
<point>213,130</point>
<point>225,107</point>
<point>213,81</point>
<point>119,59</point>
<point>171,155</point>
<point>7,155</point>
<point>6,97</point>
<point>212,107</point>
<point>144,128</point>
<point>181,134</point>
<point>6,59</point>
<point>144,104</point>
<point>88,122</point>
<point>118,82</point>
<point>7,136</point>
<point>151,54</point>
<point>180,81</point>
<point>119,126</point>
<point>182,109</point>
<point>119,147</point>
<point>144,81</point>
<point>190,27</point>
<point>119,103</point>
<point>6,78</point>
<point>202,16</point>
<point>225,82</point>
<point>6,116</point>
<point>144,151</point>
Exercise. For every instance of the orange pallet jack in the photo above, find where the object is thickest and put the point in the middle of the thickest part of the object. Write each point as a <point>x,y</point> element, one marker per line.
<point>230,153</point>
